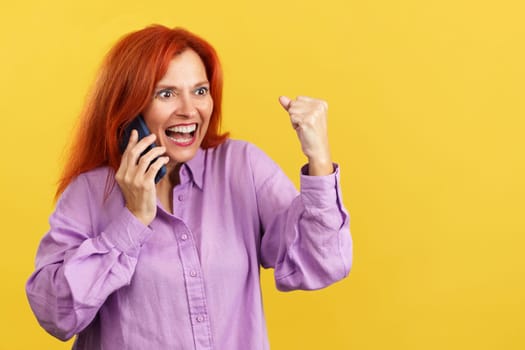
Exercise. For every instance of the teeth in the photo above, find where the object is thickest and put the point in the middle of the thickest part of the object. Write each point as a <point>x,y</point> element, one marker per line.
<point>180,140</point>
<point>184,128</point>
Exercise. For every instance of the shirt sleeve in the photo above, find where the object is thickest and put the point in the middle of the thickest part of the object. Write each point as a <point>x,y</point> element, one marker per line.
<point>306,235</point>
<point>77,268</point>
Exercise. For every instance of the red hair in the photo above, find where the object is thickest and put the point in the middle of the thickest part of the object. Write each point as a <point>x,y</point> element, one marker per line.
<point>125,86</point>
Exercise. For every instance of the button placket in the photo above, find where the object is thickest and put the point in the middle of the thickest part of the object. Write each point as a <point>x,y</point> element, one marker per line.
<point>195,289</point>
<point>181,196</point>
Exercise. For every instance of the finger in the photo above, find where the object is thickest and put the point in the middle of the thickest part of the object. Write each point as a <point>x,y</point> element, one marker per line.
<point>132,141</point>
<point>135,152</point>
<point>300,106</point>
<point>306,98</point>
<point>285,102</point>
<point>311,102</point>
<point>133,138</point>
<point>296,121</point>
<point>316,111</point>
<point>143,143</point>
<point>146,160</point>
<point>155,167</point>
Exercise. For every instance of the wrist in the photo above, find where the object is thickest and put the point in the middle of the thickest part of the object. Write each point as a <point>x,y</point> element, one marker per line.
<point>144,218</point>
<point>320,167</point>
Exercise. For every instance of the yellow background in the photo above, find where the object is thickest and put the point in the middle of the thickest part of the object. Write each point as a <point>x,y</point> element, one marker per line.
<point>427,121</point>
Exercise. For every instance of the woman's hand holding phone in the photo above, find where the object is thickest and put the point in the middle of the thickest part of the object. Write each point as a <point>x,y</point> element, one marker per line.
<point>136,176</point>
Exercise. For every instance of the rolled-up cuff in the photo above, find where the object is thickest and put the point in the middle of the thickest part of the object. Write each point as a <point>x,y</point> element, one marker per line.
<point>127,233</point>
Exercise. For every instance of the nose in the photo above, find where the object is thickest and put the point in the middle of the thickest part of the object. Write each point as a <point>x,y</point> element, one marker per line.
<point>186,106</point>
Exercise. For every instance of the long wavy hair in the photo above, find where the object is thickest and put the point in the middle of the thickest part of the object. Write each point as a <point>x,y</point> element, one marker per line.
<point>124,87</point>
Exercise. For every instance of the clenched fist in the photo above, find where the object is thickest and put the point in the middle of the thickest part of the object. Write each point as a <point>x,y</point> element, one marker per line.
<point>309,119</point>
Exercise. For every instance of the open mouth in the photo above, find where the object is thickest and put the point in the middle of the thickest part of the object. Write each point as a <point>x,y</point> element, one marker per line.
<point>182,134</point>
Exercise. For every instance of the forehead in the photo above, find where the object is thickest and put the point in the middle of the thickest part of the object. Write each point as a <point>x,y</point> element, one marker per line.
<point>185,68</point>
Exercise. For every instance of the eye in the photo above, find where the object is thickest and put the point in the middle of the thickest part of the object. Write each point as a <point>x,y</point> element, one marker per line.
<point>165,94</point>
<point>202,91</point>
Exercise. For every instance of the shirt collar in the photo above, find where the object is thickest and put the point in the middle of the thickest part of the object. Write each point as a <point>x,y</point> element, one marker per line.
<point>195,167</point>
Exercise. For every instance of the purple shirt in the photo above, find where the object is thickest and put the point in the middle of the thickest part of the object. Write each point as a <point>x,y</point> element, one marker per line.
<point>188,280</point>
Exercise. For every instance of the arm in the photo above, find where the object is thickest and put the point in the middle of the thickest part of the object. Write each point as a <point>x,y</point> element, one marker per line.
<point>80,262</point>
<point>306,237</point>
<point>77,268</point>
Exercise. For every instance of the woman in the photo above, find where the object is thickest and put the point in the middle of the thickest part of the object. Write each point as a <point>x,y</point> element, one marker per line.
<point>129,263</point>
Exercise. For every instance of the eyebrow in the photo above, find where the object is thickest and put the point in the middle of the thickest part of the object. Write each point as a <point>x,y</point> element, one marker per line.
<point>172,87</point>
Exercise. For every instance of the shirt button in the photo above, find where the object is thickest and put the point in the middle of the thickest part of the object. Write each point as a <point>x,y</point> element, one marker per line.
<point>184,237</point>
<point>193,273</point>
<point>200,318</point>
<point>181,197</point>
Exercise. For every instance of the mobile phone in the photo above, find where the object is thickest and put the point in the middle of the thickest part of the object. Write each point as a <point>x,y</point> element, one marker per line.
<point>140,125</point>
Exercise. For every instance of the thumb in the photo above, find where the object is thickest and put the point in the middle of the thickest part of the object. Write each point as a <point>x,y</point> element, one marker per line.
<point>285,102</point>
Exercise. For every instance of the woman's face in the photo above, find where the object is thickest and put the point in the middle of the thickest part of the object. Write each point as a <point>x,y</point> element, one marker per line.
<point>180,111</point>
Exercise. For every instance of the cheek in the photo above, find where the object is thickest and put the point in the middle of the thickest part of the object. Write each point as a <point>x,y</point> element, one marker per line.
<point>153,116</point>
<point>206,111</point>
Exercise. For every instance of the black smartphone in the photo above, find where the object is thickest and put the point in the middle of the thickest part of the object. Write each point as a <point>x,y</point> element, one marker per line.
<point>140,125</point>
